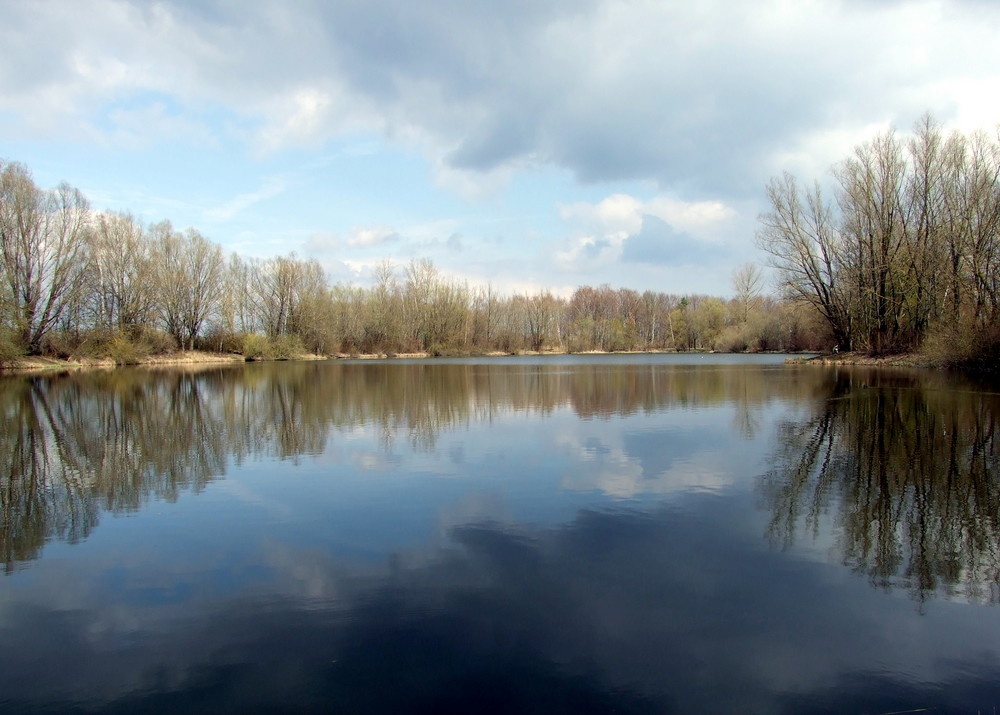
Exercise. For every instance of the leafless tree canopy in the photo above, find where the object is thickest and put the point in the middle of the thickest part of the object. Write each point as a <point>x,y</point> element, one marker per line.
<point>909,243</point>
<point>902,252</point>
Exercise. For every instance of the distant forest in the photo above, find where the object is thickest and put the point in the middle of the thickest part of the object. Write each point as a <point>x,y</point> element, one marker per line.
<point>904,257</point>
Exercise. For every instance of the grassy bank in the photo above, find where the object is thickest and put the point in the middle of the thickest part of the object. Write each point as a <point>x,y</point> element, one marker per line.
<point>914,360</point>
<point>40,363</point>
<point>860,358</point>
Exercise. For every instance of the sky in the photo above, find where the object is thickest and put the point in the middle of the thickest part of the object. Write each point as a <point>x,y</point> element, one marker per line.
<point>526,144</point>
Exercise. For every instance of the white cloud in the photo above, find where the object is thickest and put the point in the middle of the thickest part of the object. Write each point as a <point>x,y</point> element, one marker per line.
<point>668,229</point>
<point>590,253</point>
<point>137,128</point>
<point>297,117</point>
<point>275,186</point>
<point>618,213</point>
<point>472,185</point>
<point>370,236</point>
<point>699,102</point>
<point>691,216</point>
<point>692,95</point>
<point>359,268</point>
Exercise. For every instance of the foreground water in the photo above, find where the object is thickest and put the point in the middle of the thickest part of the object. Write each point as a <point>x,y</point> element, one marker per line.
<point>628,534</point>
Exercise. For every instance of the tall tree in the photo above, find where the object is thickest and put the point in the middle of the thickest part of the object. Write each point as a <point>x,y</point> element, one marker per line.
<point>43,246</point>
<point>120,285</point>
<point>748,282</point>
<point>805,248</point>
<point>874,219</point>
<point>188,271</point>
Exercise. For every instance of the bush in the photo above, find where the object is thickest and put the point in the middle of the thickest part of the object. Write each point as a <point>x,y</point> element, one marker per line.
<point>123,347</point>
<point>964,345</point>
<point>280,347</point>
<point>60,345</point>
<point>284,347</point>
<point>155,342</point>
<point>107,343</point>
<point>219,340</point>
<point>733,339</point>
<point>10,350</point>
<point>256,347</point>
<point>123,351</point>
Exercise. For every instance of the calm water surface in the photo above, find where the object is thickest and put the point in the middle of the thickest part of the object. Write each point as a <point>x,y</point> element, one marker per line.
<point>578,534</point>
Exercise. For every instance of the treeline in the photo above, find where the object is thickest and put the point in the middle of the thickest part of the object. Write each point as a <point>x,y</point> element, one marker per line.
<point>78,282</point>
<point>906,253</point>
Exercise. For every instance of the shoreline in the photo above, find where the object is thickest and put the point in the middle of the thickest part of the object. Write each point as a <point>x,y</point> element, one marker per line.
<point>907,360</point>
<point>197,358</point>
<point>200,358</point>
<point>41,363</point>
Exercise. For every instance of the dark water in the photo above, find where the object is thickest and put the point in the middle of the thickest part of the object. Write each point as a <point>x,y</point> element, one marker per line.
<point>626,534</point>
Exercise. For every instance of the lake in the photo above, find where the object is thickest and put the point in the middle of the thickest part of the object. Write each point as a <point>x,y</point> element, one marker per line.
<point>584,534</point>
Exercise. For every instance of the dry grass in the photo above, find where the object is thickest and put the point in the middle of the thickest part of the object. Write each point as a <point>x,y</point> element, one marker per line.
<point>38,363</point>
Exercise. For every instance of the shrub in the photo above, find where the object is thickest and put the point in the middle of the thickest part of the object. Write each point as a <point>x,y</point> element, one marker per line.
<point>155,342</point>
<point>964,345</point>
<point>10,349</point>
<point>256,347</point>
<point>279,347</point>
<point>284,347</point>
<point>109,343</point>
<point>733,339</point>
<point>220,340</point>
<point>60,344</point>
<point>123,351</point>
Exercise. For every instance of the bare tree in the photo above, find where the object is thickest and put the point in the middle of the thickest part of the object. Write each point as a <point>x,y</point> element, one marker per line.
<point>384,324</point>
<point>485,316</point>
<point>188,268</point>
<point>874,216</point>
<point>238,312</point>
<point>541,316</point>
<point>805,248</point>
<point>748,282</point>
<point>972,205</point>
<point>913,250</point>
<point>43,246</point>
<point>121,273</point>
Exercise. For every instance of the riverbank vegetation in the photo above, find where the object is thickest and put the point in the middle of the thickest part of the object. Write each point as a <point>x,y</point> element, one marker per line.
<point>83,284</point>
<point>904,257</point>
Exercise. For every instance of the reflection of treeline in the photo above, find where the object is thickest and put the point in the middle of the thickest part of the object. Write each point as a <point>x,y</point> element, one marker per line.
<point>80,444</point>
<point>76,447</point>
<point>907,472</point>
<point>75,282</point>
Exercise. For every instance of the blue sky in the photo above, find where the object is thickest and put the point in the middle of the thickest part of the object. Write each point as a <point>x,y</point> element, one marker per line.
<point>528,144</point>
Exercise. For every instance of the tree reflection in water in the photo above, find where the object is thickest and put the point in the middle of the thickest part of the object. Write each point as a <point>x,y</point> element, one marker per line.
<point>71,455</point>
<point>904,468</point>
<point>908,468</point>
<point>77,444</point>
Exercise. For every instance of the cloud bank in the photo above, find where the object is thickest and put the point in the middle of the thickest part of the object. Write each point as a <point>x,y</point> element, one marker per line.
<point>695,103</point>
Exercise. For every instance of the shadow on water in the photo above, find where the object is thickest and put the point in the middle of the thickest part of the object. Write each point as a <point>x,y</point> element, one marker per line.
<point>905,469</point>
